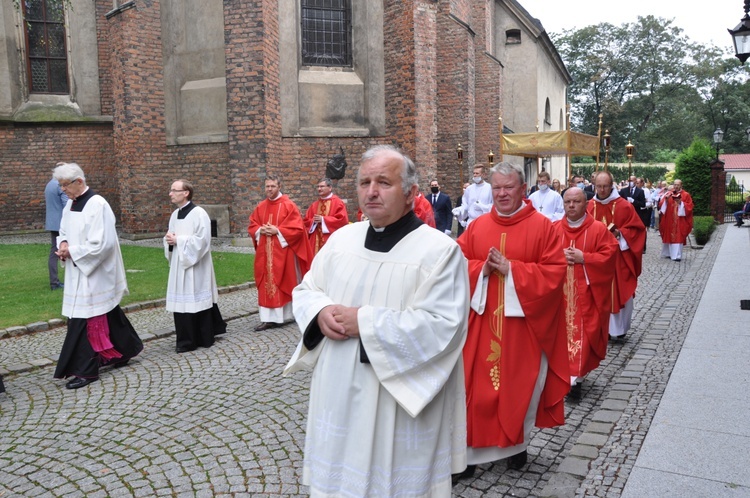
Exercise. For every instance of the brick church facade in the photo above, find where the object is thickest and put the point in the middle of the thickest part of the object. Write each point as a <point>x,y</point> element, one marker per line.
<point>217,92</point>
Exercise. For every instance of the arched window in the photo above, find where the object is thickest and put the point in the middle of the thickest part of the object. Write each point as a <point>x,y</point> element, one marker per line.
<point>46,54</point>
<point>513,36</point>
<point>326,33</point>
<point>547,114</point>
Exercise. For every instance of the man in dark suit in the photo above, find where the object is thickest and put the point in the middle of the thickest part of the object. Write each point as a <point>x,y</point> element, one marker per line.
<point>441,207</point>
<point>634,195</point>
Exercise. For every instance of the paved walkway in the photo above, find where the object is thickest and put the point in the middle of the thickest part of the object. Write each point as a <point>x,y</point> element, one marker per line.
<point>223,422</point>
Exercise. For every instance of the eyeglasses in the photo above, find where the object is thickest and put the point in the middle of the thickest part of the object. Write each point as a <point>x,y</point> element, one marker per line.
<point>66,185</point>
<point>176,190</point>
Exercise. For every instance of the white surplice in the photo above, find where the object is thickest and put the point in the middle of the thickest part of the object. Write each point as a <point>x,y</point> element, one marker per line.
<point>192,284</point>
<point>94,274</point>
<point>549,203</point>
<point>395,426</point>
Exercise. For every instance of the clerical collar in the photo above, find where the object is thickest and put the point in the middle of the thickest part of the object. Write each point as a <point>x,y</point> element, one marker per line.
<point>523,205</point>
<point>576,224</point>
<point>275,198</point>
<point>384,239</point>
<point>80,202</point>
<point>185,210</point>
<point>327,197</point>
<point>612,196</point>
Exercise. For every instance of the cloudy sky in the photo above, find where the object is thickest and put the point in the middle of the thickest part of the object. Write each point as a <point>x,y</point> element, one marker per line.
<point>704,22</point>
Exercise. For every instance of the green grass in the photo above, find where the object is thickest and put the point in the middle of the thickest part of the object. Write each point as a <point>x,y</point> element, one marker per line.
<point>25,296</point>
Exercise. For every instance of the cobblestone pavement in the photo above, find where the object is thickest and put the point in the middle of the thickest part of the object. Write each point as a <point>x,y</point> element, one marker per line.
<point>223,422</point>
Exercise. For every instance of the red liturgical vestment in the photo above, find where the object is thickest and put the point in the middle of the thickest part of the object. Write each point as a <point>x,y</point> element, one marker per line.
<point>275,268</point>
<point>674,228</point>
<point>588,293</point>
<point>502,355</point>
<point>333,211</point>
<point>628,262</point>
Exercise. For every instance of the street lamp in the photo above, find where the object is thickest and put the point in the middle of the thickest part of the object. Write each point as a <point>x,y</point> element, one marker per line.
<point>718,137</point>
<point>491,158</point>
<point>607,141</point>
<point>741,36</point>
<point>629,150</point>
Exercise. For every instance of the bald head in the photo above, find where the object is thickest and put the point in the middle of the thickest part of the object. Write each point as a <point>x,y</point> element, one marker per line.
<point>575,202</point>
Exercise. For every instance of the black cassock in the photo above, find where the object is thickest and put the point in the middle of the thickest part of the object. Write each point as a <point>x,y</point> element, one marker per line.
<point>79,358</point>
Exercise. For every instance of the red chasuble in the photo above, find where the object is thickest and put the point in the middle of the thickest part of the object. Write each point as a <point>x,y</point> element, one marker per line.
<point>275,271</point>
<point>423,210</point>
<point>502,354</point>
<point>675,229</point>
<point>628,263</point>
<point>587,305</point>
<point>333,211</point>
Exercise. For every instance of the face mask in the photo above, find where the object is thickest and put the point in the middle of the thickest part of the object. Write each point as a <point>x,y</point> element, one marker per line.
<point>631,184</point>
<point>580,185</point>
<point>477,179</point>
<point>543,187</point>
<point>435,190</point>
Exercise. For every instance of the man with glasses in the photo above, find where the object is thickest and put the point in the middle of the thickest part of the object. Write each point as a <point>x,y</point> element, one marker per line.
<point>99,333</point>
<point>192,293</point>
<point>324,216</point>
<point>621,218</point>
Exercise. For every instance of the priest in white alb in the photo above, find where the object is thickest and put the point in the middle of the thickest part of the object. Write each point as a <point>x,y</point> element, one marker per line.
<point>99,333</point>
<point>191,289</point>
<point>384,311</point>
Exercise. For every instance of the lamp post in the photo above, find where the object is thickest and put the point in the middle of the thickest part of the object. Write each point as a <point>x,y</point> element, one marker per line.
<point>629,150</point>
<point>460,157</point>
<point>741,36</point>
<point>718,137</point>
<point>607,141</point>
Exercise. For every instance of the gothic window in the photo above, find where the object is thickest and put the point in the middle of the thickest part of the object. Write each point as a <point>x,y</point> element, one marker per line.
<point>46,55</point>
<point>326,33</point>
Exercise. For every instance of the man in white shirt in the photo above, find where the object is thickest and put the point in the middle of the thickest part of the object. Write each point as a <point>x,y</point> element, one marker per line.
<point>547,201</point>
<point>477,198</point>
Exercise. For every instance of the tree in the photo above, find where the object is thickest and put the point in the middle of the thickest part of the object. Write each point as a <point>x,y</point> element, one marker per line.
<point>651,84</point>
<point>692,167</point>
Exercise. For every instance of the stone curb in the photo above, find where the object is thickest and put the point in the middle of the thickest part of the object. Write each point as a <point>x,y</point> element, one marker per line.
<point>31,328</point>
<point>146,337</point>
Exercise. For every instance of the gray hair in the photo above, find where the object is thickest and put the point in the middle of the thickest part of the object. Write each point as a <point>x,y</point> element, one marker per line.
<point>505,169</point>
<point>327,181</point>
<point>409,176</point>
<point>68,171</point>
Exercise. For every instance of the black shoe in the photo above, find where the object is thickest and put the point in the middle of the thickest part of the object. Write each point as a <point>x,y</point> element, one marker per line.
<point>517,461</point>
<point>575,391</point>
<point>267,325</point>
<point>79,382</point>
<point>618,338</point>
<point>180,349</point>
<point>57,286</point>
<point>469,472</point>
<point>116,362</point>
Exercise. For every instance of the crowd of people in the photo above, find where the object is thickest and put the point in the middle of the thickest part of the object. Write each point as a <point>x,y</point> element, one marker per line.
<point>431,354</point>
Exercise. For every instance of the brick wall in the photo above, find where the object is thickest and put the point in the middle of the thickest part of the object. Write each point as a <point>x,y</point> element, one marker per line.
<point>440,89</point>
<point>146,166</point>
<point>105,70</point>
<point>29,154</point>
